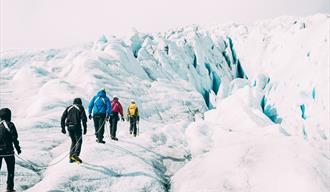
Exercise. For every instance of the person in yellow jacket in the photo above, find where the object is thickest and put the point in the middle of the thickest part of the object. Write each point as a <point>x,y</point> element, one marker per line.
<point>133,116</point>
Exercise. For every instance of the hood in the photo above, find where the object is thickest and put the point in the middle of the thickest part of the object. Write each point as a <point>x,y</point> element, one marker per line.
<point>77,101</point>
<point>101,93</point>
<point>114,101</point>
<point>5,114</point>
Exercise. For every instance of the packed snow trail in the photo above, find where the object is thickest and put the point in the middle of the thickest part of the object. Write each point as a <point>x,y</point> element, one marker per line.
<point>129,164</point>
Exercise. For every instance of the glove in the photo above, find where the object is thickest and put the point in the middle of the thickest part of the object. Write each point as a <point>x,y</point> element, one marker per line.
<point>122,118</point>
<point>18,151</point>
<point>63,131</point>
<point>89,116</point>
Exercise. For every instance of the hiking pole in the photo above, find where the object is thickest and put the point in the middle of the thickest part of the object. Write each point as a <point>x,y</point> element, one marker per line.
<point>138,128</point>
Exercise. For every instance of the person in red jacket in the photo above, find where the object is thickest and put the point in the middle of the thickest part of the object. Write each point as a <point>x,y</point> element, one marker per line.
<point>114,117</point>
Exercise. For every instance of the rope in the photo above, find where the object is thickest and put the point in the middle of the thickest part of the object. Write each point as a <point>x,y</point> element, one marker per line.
<point>99,129</point>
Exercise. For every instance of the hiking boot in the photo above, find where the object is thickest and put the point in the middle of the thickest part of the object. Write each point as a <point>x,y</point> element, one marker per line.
<point>114,138</point>
<point>100,141</point>
<point>130,132</point>
<point>71,161</point>
<point>10,190</point>
<point>75,158</point>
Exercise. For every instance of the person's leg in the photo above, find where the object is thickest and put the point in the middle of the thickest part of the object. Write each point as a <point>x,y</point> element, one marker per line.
<point>96,125</point>
<point>78,136</point>
<point>101,130</point>
<point>10,161</point>
<point>0,162</point>
<point>115,127</point>
<point>134,125</point>
<point>135,129</point>
<point>111,125</point>
<point>73,142</point>
<point>114,122</point>
<point>131,124</point>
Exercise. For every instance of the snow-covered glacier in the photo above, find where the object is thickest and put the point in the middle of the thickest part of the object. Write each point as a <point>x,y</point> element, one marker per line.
<point>229,107</point>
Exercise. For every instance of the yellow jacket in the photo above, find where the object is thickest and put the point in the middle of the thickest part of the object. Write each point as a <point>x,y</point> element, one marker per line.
<point>132,110</point>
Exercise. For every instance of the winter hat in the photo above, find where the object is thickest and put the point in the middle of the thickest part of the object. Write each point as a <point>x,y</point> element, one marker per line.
<point>77,101</point>
<point>5,114</point>
<point>115,97</point>
<point>132,101</point>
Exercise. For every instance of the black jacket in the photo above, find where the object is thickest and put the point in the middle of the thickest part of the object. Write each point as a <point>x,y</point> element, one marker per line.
<point>8,133</point>
<point>73,116</point>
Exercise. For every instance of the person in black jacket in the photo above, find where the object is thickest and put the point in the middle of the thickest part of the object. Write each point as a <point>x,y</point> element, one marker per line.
<point>72,118</point>
<point>8,138</point>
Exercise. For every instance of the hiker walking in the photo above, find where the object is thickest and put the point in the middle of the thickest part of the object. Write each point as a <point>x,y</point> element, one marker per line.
<point>99,109</point>
<point>72,118</point>
<point>8,139</point>
<point>114,116</point>
<point>133,116</point>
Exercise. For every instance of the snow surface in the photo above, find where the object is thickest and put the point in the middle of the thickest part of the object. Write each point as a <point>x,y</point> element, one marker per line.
<point>224,108</point>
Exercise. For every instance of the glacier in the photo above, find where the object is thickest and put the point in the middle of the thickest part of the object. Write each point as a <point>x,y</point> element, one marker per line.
<point>228,107</point>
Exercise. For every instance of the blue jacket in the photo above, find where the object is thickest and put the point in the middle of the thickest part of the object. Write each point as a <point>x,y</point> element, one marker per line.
<point>100,103</point>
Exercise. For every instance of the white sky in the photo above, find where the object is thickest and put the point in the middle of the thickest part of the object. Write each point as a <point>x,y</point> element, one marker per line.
<point>35,24</point>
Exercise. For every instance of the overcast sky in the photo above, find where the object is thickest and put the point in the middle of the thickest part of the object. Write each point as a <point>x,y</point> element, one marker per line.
<point>35,24</point>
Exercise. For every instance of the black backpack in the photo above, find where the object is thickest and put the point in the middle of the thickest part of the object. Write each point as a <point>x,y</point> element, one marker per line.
<point>73,118</point>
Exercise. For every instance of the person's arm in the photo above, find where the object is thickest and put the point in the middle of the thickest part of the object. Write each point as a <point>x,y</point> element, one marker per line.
<point>83,119</point>
<point>127,117</point>
<point>121,110</point>
<point>91,105</point>
<point>14,137</point>
<point>109,108</point>
<point>63,118</point>
<point>137,114</point>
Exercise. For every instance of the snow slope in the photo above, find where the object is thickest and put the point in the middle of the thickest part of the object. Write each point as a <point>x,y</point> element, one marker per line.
<point>266,87</point>
<point>236,148</point>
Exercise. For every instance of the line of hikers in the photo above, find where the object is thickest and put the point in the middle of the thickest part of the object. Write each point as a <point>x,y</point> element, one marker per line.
<point>73,119</point>
<point>100,109</point>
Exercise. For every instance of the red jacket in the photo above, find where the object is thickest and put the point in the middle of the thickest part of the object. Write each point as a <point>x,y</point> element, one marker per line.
<point>116,107</point>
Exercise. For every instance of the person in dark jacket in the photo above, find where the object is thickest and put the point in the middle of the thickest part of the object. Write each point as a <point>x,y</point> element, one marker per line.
<point>72,118</point>
<point>133,117</point>
<point>114,116</point>
<point>8,139</point>
<point>99,109</point>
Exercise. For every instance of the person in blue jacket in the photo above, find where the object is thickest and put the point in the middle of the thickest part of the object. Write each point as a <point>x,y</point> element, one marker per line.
<point>99,109</point>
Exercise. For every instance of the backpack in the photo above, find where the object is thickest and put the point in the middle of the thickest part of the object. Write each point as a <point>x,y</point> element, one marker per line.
<point>132,108</point>
<point>73,116</point>
<point>103,101</point>
<point>5,138</point>
<point>115,107</point>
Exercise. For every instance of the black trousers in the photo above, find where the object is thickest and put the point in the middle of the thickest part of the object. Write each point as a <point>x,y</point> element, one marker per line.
<point>114,118</point>
<point>133,127</point>
<point>10,161</point>
<point>99,122</point>
<point>76,142</point>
